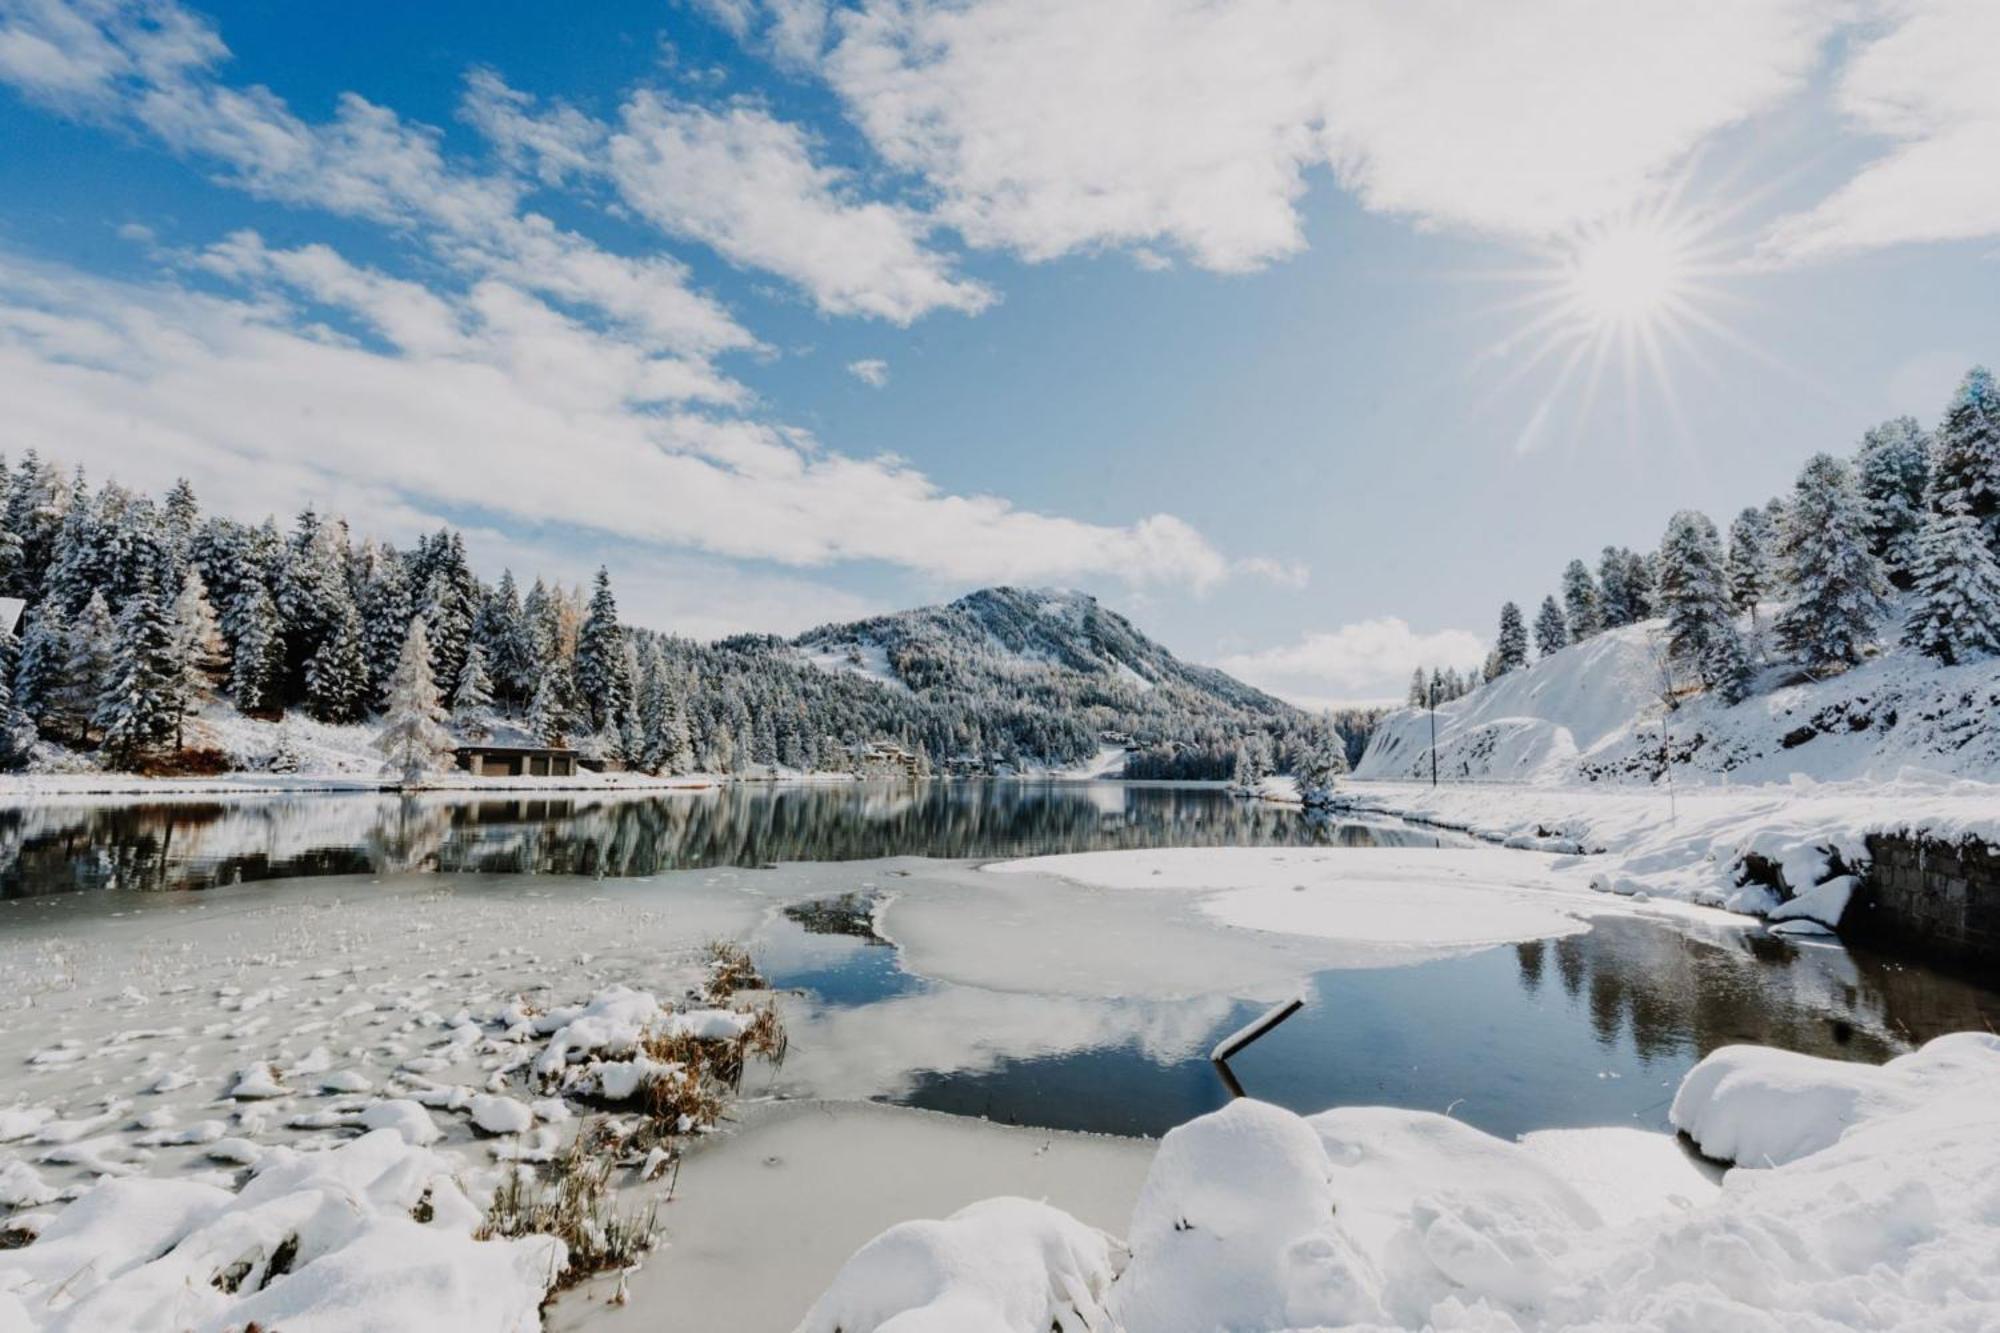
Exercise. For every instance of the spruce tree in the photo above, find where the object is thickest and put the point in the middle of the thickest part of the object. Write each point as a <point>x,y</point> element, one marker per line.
<point>1954,613</point>
<point>1583,612</point>
<point>1967,452</point>
<point>1614,596</point>
<point>1747,568</point>
<point>1551,628</point>
<point>200,658</point>
<point>136,707</point>
<point>1892,471</point>
<point>510,651</point>
<point>1511,647</point>
<point>386,611</point>
<point>472,697</point>
<point>1692,593</point>
<point>413,740</point>
<point>599,654</point>
<point>257,657</point>
<point>1726,666</point>
<point>548,720</point>
<point>1838,597</point>
<point>17,728</point>
<point>88,670</point>
<point>1322,761</point>
<point>73,573</point>
<point>41,677</point>
<point>337,673</point>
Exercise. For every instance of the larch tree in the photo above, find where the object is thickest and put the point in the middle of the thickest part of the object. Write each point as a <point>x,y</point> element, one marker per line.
<point>1551,629</point>
<point>413,740</point>
<point>1954,612</point>
<point>1583,610</point>
<point>1838,585</point>
<point>1511,648</point>
<point>1892,471</point>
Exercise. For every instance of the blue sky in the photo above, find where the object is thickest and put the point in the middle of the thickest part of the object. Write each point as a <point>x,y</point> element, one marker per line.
<point>1250,318</point>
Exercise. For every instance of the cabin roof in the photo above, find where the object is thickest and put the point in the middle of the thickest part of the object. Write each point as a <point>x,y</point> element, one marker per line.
<point>529,750</point>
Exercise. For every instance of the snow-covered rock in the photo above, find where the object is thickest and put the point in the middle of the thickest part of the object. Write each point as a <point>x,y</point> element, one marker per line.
<point>500,1115</point>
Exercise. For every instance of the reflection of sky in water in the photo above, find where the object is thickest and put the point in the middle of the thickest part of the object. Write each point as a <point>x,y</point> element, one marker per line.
<point>1594,1029</point>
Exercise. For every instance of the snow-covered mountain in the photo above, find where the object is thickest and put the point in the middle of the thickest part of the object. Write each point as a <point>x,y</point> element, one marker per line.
<point>1057,655</point>
<point>1595,712</point>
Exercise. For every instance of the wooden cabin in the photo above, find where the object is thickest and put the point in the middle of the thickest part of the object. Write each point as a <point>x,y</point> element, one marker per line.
<point>517,761</point>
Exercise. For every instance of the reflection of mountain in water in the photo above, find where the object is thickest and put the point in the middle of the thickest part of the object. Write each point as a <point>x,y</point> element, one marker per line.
<point>55,848</point>
<point>1674,994</point>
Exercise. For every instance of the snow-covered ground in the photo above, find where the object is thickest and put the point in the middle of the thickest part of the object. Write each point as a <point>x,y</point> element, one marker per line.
<point>1255,1218</point>
<point>293,1103</point>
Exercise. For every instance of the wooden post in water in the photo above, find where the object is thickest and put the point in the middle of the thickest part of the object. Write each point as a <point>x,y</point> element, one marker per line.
<point>1243,1036</point>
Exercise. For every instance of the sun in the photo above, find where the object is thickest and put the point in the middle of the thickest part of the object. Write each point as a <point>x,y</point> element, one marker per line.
<point>1627,276</point>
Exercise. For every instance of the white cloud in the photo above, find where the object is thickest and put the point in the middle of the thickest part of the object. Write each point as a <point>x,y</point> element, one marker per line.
<point>1364,661</point>
<point>1928,83</point>
<point>870,371</point>
<point>1049,126</point>
<point>496,404</point>
<point>743,183</point>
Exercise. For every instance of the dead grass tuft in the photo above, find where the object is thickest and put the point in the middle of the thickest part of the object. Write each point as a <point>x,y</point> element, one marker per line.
<point>571,1200</point>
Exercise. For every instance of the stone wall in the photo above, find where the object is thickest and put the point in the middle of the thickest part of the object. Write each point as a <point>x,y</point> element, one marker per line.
<point>1936,900</point>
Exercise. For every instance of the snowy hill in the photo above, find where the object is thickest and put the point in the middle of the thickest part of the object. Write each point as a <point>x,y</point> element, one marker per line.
<point>1049,653</point>
<point>1593,713</point>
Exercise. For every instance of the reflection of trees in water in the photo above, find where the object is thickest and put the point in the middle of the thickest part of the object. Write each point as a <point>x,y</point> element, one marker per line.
<point>1672,992</point>
<point>193,844</point>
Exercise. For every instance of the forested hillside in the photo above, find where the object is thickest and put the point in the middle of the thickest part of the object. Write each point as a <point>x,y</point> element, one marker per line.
<point>1848,628</point>
<point>149,624</point>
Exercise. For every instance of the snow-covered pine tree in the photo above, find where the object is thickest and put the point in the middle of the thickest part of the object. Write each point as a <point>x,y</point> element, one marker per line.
<point>510,652</point>
<point>135,708</point>
<point>1551,629</point>
<point>1583,612</point>
<point>472,698</point>
<point>1614,597</point>
<point>1419,689</point>
<point>337,673</point>
<point>182,520</point>
<point>1954,613</point>
<point>447,625</point>
<point>257,657</point>
<point>1642,583</point>
<point>1892,471</point>
<point>200,657</point>
<point>1748,566</point>
<point>41,679</point>
<point>73,573</point>
<point>1692,593</point>
<point>548,720</point>
<point>1838,586</point>
<point>413,740</point>
<point>1512,645</point>
<point>1967,453</point>
<point>285,756</point>
<point>599,655</point>
<point>1320,764</point>
<point>88,670</point>
<point>17,729</point>
<point>1726,665</point>
<point>386,611</point>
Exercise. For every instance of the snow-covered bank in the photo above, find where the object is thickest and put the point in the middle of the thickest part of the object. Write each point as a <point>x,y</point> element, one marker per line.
<point>1692,843</point>
<point>1255,1218</point>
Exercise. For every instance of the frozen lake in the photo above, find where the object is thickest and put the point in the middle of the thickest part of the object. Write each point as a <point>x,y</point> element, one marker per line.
<point>1022,999</point>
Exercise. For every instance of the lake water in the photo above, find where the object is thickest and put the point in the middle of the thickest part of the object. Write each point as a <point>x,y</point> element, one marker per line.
<point>1590,1029</point>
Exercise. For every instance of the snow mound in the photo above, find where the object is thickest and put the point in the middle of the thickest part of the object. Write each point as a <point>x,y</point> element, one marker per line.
<point>1885,1216</point>
<point>1762,1107</point>
<point>317,1240</point>
<point>996,1266</point>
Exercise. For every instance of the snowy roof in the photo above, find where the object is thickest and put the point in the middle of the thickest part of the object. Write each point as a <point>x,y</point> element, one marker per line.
<point>10,613</point>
